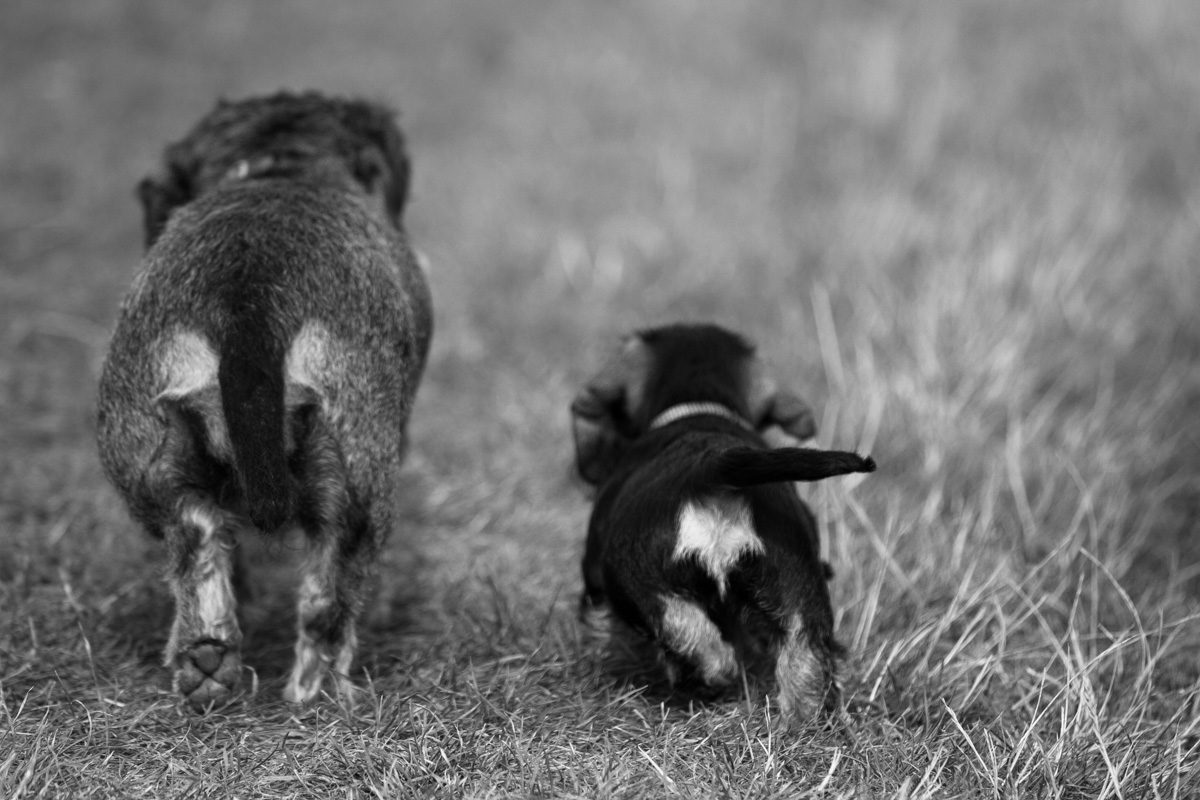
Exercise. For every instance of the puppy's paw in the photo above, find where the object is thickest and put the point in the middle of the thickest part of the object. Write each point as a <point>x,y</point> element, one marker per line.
<point>828,716</point>
<point>596,619</point>
<point>304,688</point>
<point>312,667</point>
<point>806,677</point>
<point>208,673</point>
<point>348,695</point>
<point>305,682</point>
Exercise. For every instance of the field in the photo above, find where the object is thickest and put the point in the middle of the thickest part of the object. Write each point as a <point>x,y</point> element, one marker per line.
<point>968,232</point>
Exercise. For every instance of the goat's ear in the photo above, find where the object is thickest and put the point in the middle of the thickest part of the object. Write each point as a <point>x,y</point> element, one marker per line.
<point>381,164</point>
<point>601,412</point>
<point>773,406</point>
<point>162,192</point>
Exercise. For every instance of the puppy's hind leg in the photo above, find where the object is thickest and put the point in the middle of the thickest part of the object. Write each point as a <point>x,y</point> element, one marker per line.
<point>205,637</point>
<point>345,538</point>
<point>331,598</point>
<point>806,674</point>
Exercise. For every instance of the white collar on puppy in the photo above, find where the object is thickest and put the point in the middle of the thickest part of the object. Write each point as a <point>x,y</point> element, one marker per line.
<point>675,413</point>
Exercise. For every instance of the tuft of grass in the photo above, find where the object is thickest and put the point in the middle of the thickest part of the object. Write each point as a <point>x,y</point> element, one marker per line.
<point>965,231</point>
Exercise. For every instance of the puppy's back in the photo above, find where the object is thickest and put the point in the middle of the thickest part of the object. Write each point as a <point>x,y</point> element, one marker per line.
<point>740,577</point>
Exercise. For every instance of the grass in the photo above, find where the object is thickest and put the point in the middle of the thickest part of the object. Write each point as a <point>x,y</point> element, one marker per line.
<point>966,231</point>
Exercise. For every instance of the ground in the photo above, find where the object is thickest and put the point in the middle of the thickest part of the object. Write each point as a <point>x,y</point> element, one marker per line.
<point>967,231</point>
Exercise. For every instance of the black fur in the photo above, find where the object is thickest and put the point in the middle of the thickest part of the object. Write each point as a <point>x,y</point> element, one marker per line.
<point>250,374</point>
<point>742,467</point>
<point>647,476</point>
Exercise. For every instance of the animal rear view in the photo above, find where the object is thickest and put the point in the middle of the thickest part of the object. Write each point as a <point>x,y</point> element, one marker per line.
<point>263,368</point>
<point>698,543</point>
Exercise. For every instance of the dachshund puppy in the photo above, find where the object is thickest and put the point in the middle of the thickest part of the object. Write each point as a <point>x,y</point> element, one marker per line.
<point>697,542</point>
<point>263,368</point>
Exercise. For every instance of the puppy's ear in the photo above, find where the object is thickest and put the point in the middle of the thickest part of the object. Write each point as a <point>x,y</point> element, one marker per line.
<point>165,191</point>
<point>773,406</point>
<point>381,163</point>
<point>161,193</point>
<point>601,412</point>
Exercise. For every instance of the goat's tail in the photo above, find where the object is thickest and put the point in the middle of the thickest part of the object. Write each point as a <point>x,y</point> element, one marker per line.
<point>251,379</point>
<point>741,467</point>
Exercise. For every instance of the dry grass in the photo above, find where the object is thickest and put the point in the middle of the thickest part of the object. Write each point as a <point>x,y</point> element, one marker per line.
<point>968,231</point>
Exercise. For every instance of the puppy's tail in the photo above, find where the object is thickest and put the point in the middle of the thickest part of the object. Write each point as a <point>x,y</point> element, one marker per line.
<point>251,378</point>
<point>749,466</point>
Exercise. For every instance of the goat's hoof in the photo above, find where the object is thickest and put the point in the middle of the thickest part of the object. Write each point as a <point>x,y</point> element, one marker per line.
<point>208,673</point>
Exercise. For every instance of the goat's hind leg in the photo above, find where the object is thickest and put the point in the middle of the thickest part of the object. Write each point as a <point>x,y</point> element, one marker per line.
<point>205,638</point>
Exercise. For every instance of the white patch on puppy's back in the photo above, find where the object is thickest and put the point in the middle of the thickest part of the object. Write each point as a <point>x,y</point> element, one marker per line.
<point>187,364</point>
<point>689,632</point>
<point>718,532</point>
